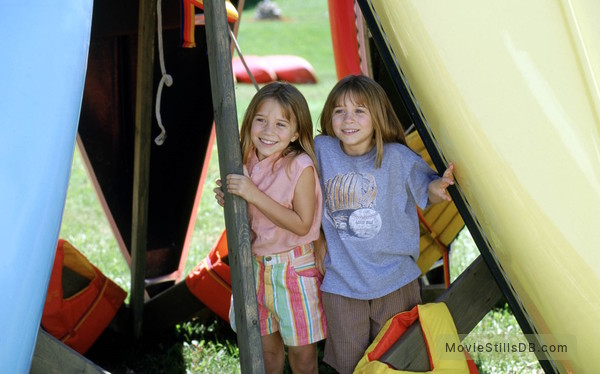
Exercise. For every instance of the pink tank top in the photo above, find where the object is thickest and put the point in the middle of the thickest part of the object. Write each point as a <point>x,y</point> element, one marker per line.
<point>279,182</point>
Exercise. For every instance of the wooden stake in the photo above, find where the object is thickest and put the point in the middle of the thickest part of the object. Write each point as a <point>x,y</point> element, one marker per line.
<point>236,209</point>
<point>141,168</point>
<point>54,357</point>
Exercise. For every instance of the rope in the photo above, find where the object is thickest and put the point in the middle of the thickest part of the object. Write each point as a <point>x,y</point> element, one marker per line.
<point>166,78</point>
<point>237,48</point>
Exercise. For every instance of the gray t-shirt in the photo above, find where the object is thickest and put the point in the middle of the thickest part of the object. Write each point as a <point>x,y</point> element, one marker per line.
<point>370,218</point>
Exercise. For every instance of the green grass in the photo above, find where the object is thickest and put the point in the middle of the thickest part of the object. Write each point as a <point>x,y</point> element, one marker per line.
<point>210,347</point>
<point>304,32</point>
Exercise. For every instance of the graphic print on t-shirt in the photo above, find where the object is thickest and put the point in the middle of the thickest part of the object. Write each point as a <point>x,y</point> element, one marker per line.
<point>350,199</point>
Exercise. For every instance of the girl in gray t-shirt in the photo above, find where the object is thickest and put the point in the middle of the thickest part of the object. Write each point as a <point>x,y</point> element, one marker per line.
<point>372,184</point>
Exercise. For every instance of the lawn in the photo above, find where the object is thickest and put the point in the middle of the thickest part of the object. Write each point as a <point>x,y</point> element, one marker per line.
<point>210,347</point>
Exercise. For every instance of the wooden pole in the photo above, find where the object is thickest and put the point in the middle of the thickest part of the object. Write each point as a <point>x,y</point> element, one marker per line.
<point>236,209</point>
<point>141,167</point>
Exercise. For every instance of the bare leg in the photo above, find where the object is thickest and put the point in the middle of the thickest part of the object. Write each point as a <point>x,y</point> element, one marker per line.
<point>273,353</point>
<point>303,359</point>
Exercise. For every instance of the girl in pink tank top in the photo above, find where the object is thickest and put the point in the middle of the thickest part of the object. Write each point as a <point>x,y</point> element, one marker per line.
<point>280,184</point>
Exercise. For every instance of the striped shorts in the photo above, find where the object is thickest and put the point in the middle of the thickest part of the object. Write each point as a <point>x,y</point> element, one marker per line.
<point>289,296</point>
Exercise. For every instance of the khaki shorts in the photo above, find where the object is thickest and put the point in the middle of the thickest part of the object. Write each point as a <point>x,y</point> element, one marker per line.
<point>354,324</point>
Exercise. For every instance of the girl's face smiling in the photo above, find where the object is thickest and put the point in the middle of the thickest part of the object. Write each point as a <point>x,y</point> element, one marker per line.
<point>271,132</point>
<point>353,126</point>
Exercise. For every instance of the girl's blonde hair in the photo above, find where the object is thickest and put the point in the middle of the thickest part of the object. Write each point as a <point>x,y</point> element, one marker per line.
<point>366,92</point>
<point>294,108</point>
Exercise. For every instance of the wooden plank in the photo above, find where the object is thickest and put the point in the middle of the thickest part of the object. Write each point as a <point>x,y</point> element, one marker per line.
<point>53,357</point>
<point>236,209</point>
<point>469,298</point>
<point>473,297</point>
<point>170,307</point>
<point>141,174</point>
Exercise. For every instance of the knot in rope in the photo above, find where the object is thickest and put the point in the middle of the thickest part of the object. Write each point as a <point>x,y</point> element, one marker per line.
<point>165,80</point>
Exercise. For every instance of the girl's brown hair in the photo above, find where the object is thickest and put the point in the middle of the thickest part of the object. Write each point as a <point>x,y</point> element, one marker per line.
<point>365,91</point>
<point>295,109</point>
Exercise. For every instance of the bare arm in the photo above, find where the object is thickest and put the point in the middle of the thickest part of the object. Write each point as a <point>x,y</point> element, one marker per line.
<point>320,252</point>
<point>436,192</point>
<point>299,219</point>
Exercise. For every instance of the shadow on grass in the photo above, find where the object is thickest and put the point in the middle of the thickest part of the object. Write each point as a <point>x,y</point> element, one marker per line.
<point>206,346</point>
<point>196,347</point>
